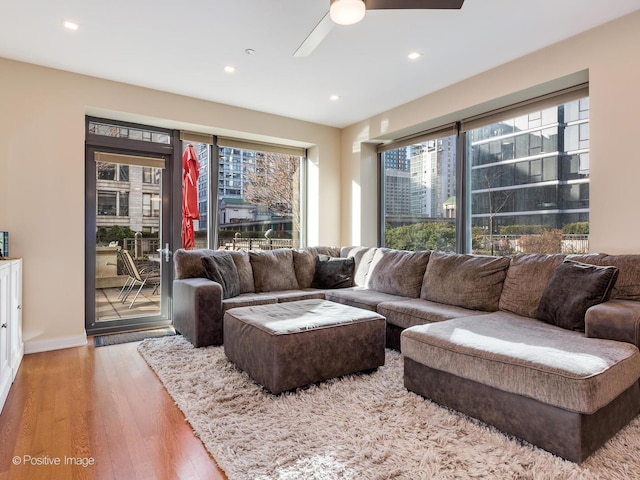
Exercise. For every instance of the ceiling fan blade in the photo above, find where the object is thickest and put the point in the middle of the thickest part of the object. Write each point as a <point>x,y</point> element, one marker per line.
<point>316,36</point>
<point>413,4</point>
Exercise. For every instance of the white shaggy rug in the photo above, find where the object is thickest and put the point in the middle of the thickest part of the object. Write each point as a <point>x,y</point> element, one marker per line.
<point>364,426</point>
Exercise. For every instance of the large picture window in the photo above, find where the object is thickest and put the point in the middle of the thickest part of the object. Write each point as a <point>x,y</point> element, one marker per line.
<point>530,181</point>
<point>419,190</point>
<point>524,175</point>
<point>259,195</point>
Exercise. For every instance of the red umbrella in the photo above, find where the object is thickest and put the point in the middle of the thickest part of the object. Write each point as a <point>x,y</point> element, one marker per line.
<point>190,173</point>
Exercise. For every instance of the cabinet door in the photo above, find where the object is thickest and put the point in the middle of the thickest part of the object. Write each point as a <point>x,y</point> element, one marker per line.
<point>16,346</point>
<point>6,376</point>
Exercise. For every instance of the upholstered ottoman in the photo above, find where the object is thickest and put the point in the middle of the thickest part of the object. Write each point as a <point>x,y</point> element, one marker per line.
<point>555,388</point>
<point>288,345</point>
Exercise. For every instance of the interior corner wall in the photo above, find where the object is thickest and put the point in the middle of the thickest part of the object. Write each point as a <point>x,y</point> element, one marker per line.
<point>610,54</point>
<point>42,135</point>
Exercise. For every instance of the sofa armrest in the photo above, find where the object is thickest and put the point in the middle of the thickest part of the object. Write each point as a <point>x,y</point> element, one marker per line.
<point>197,310</point>
<point>614,320</point>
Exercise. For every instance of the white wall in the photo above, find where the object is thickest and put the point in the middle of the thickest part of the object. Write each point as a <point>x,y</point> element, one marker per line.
<point>608,56</point>
<point>42,177</point>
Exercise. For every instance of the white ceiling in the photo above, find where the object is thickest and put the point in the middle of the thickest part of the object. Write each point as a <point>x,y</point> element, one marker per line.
<point>182,47</point>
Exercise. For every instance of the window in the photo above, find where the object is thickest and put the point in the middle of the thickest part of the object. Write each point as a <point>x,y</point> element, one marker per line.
<point>112,203</point>
<point>525,175</point>
<point>151,175</point>
<point>131,133</point>
<point>530,181</point>
<point>150,205</point>
<point>259,197</point>
<point>107,203</point>
<point>419,190</point>
<point>112,172</point>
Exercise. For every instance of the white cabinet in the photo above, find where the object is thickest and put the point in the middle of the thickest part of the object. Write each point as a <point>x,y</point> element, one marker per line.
<point>11,345</point>
<point>16,345</point>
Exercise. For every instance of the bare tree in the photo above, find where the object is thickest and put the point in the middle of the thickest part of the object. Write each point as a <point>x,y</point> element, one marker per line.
<point>273,182</point>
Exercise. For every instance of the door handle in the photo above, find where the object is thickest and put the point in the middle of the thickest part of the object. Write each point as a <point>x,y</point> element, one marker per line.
<point>166,251</point>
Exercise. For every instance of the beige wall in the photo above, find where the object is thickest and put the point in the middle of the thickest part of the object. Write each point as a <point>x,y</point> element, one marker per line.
<point>42,177</point>
<point>608,56</point>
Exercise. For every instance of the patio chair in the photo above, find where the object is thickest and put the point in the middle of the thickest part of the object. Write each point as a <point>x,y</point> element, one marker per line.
<point>137,277</point>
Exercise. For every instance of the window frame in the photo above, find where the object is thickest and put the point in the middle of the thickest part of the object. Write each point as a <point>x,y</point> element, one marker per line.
<point>463,167</point>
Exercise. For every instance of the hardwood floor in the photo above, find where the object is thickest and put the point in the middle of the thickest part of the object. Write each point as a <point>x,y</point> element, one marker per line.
<point>103,407</point>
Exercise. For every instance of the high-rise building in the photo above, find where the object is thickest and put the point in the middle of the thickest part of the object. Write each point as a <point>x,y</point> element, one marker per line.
<point>533,169</point>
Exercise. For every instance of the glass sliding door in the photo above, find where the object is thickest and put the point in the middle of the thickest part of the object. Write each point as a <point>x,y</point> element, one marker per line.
<point>128,227</point>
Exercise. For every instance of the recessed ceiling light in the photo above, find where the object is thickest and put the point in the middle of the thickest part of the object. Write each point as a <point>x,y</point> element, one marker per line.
<point>414,55</point>
<point>249,51</point>
<point>229,69</point>
<point>334,98</point>
<point>70,25</point>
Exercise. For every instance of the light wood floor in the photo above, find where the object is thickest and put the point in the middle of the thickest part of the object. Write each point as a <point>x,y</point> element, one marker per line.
<point>102,405</point>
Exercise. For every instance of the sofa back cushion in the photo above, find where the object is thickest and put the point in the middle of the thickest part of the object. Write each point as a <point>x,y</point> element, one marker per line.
<point>304,264</point>
<point>527,277</point>
<point>627,287</point>
<point>468,281</point>
<point>245,272</point>
<point>363,257</point>
<point>273,270</point>
<point>398,272</point>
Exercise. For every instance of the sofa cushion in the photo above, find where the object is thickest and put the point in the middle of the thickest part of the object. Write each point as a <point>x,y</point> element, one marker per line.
<point>526,279</point>
<point>360,297</point>
<point>333,272</point>
<point>273,270</point>
<point>245,272</point>
<point>221,268</point>
<point>295,295</point>
<point>304,264</point>
<point>363,257</point>
<point>573,288</point>
<point>468,281</point>
<point>627,286</point>
<point>527,357</point>
<point>248,299</point>
<point>416,311</point>
<point>188,263</point>
<point>398,272</point>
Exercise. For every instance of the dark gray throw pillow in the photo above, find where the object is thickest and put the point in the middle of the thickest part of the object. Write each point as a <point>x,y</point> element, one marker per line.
<point>572,289</point>
<point>221,268</point>
<point>333,272</point>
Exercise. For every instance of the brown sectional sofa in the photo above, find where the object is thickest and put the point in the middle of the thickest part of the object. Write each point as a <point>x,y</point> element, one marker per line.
<point>467,328</point>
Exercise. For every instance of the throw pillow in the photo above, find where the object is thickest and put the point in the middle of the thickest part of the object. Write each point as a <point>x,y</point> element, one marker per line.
<point>572,289</point>
<point>222,269</point>
<point>333,272</point>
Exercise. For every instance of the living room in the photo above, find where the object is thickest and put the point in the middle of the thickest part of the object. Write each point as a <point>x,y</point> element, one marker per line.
<point>42,153</point>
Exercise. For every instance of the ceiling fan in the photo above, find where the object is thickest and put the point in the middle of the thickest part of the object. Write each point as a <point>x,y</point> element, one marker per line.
<point>348,12</point>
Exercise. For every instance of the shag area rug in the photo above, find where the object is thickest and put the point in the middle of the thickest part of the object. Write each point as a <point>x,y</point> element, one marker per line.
<point>363,426</point>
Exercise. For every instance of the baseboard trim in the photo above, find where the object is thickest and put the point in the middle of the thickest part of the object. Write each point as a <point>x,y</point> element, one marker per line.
<point>37,346</point>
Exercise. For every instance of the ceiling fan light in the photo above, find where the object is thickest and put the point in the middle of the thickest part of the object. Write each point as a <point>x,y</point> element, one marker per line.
<point>347,12</point>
